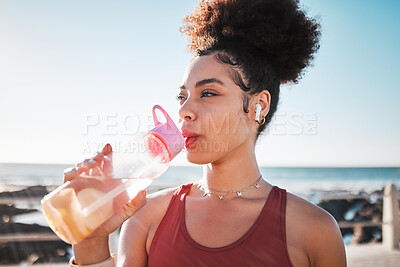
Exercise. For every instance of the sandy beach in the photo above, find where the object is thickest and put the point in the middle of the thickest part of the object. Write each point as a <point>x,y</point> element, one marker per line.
<point>371,255</point>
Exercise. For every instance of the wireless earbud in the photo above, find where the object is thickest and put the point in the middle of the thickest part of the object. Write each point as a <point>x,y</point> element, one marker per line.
<point>258,110</point>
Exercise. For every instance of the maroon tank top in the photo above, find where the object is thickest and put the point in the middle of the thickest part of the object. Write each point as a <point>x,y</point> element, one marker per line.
<point>264,244</point>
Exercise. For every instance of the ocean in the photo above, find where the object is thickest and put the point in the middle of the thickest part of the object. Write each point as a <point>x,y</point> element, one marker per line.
<point>309,183</point>
<point>298,180</point>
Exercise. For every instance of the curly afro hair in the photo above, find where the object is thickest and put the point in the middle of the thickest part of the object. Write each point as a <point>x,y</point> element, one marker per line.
<point>268,42</point>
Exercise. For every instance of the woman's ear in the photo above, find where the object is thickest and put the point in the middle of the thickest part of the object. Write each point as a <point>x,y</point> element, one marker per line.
<point>264,99</point>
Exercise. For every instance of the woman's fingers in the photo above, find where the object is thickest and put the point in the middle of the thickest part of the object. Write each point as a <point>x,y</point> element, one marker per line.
<point>107,149</point>
<point>87,163</point>
<point>98,157</point>
<point>135,204</point>
<point>107,161</point>
<point>99,165</point>
<point>108,167</point>
<point>123,214</point>
<point>71,173</point>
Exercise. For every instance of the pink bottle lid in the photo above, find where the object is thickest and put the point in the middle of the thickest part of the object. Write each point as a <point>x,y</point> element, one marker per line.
<point>168,133</point>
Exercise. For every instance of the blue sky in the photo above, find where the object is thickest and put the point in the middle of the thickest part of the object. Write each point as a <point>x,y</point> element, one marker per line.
<point>64,64</point>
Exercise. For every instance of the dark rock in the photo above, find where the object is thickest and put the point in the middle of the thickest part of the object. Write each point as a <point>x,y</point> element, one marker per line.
<point>36,191</point>
<point>358,210</point>
<point>336,207</point>
<point>369,212</point>
<point>34,252</point>
<point>8,211</point>
<point>23,228</point>
<point>364,235</point>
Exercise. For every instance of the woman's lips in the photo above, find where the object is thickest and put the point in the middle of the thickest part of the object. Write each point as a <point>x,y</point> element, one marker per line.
<point>190,140</point>
<point>190,137</point>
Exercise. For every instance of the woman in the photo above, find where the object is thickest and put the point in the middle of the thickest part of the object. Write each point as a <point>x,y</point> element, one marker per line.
<point>244,50</point>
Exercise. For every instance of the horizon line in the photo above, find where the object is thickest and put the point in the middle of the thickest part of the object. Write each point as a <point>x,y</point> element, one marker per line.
<point>261,166</point>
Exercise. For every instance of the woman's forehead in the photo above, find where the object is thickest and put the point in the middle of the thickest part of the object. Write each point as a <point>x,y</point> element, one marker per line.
<point>205,67</point>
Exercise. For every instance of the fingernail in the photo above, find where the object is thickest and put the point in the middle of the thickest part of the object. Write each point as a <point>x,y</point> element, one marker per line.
<point>107,149</point>
<point>85,163</point>
<point>70,171</point>
<point>91,161</point>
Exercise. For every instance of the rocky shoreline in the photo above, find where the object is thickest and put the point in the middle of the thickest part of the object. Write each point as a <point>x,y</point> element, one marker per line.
<point>15,252</point>
<point>359,215</point>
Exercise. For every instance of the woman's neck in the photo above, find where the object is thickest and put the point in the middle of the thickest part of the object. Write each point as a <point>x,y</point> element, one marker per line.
<point>236,171</point>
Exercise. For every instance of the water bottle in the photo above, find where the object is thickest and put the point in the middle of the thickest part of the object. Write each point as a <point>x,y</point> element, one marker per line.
<point>78,207</point>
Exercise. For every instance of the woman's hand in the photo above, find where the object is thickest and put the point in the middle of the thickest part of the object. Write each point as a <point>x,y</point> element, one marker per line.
<point>99,165</point>
<point>95,248</point>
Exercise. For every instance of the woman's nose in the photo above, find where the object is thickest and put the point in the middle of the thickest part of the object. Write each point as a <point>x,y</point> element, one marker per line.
<point>186,112</point>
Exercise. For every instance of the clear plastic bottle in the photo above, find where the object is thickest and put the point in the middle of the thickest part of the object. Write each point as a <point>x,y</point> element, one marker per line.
<point>78,207</point>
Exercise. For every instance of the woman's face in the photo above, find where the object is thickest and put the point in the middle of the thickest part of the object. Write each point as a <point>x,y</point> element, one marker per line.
<point>211,112</point>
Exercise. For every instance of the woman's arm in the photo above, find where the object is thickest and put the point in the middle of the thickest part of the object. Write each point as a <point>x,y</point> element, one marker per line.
<point>138,231</point>
<point>313,236</point>
<point>91,251</point>
<point>95,249</point>
<point>326,247</point>
<point>132,243</point>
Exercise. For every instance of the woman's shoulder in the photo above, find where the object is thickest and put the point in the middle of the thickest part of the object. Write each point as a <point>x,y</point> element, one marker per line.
<point>138,231</point>
<point>164,196</point>
<point>310,218</point>
<point>166,193</point>
<point>301,208</point>
<point>305,219</point>
<point>156,205</point>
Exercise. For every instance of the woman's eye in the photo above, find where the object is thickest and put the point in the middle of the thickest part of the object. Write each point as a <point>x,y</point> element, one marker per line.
<point>180,97</point>
<point>207,94</point>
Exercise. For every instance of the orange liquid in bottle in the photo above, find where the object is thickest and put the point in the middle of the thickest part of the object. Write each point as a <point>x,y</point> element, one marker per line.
<point>79,207</point>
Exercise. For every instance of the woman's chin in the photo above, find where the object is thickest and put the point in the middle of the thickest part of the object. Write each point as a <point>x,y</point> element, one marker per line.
<point>197,157</point>
<point>202,157</point>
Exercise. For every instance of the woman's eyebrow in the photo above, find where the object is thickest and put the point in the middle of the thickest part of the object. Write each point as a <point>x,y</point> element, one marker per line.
<point>203,82</point>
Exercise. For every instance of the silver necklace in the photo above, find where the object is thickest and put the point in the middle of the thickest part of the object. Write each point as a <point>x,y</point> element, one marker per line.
<point>208,191</point>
